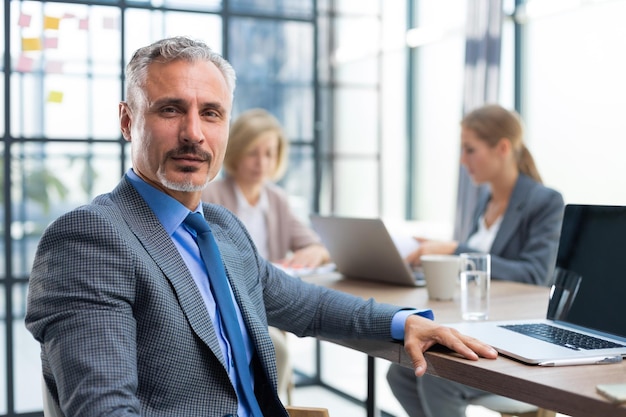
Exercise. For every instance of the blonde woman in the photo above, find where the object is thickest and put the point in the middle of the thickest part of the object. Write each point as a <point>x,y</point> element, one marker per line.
<point>517,219</point>
<point>256,157</point>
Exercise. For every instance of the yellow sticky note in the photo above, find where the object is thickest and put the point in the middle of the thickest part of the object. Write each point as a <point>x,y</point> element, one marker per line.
<point>55,97</point>
<point>50,22</point>
<point>31,44</point>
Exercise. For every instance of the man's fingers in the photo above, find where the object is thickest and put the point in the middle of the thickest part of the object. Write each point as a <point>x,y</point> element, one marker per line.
<point>416,354</point>
<point>471,348</point>
<point>481,348</point>
<point>420,339</point>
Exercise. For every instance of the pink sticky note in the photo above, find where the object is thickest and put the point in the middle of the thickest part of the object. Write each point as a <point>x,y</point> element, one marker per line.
<point>54,67</point>
<point>109,23</point>
<point>83,24</point>
<point>51,43</point>
<point>24,20</point>
<point>24,64</point>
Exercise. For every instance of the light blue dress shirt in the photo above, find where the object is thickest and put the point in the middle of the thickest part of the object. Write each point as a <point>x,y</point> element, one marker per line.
<point>171,213</point>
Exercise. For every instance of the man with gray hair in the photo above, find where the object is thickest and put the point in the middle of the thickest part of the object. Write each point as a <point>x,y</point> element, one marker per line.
<point>135,315</point>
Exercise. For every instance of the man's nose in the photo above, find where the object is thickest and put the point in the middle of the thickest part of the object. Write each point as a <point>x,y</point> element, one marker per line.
<point>191,129</point>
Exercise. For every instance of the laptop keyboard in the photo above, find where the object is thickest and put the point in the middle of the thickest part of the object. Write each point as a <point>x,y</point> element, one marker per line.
<point>562,337</point>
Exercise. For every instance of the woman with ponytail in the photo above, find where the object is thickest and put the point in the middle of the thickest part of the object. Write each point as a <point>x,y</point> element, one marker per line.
<point>517,220</point>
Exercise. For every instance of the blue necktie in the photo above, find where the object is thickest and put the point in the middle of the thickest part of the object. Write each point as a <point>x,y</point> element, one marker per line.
<point>221,292</point>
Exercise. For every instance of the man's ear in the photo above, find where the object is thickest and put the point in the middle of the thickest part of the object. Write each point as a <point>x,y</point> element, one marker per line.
<point>125,120</point>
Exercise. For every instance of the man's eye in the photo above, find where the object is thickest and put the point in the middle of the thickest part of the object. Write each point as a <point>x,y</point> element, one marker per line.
<point>211,113</point>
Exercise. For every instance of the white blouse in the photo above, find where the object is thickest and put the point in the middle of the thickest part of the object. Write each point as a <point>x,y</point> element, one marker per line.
<point>483,238</point>
<point>254,218</point>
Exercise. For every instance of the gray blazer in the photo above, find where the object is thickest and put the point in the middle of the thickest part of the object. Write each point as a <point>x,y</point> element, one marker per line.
<point>123,328</point>
<point>526,244</point>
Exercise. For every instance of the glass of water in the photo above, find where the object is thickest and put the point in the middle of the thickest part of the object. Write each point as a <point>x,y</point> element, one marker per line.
<point>475,280</point>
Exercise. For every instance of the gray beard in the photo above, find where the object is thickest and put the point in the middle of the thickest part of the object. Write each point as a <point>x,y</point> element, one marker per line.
<point>185,186</point>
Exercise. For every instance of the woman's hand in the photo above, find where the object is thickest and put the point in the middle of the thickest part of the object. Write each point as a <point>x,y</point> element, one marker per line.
<point>430,247</point>
<point>311,256</point>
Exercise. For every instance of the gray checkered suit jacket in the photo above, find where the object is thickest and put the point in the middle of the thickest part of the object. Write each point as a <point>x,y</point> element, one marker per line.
<point>123,328</point>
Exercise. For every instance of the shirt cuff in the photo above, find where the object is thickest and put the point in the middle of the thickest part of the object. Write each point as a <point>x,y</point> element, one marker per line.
<point>398,320</point>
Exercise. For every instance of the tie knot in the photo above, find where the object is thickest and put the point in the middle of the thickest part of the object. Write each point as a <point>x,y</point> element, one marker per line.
<point>196,222</point>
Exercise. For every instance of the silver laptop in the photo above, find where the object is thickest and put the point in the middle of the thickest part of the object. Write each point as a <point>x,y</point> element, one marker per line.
<point>363,249</point>
<point>586,317</point>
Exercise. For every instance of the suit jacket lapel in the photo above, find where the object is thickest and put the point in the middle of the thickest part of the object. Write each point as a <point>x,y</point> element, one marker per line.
<point>163,252</point>
<point>512,216</point>
<point>483,198</point>
<point>257,329</point>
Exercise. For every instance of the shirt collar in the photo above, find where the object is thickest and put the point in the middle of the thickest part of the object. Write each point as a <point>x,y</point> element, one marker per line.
<point>170,212</point>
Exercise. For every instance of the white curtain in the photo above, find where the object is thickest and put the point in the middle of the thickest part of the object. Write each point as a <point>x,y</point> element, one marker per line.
<point>482,70</point>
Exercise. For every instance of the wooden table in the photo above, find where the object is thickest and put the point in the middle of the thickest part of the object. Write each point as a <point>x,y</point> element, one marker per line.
<point>569,390</point>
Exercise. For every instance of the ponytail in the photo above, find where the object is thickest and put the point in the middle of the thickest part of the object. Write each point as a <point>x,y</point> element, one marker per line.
<point>526,164</point>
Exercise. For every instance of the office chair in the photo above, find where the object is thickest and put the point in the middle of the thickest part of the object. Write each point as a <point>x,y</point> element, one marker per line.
<point>508,407</point>
<point>306,411</point>
<point>50,406</point>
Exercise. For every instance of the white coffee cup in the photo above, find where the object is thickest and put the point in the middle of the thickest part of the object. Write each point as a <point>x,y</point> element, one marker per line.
<point>441,273</point>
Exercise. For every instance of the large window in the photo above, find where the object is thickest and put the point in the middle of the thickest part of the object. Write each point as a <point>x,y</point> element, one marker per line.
<point>63,79</point>
<point>374,123</point>
<point>561,67</point>
<point>350,112</point>
<point>437,72</point>
<point>574,96</point>
<point>275,70</point>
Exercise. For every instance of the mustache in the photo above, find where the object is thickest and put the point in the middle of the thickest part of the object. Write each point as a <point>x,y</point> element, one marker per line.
<point>187,150</point>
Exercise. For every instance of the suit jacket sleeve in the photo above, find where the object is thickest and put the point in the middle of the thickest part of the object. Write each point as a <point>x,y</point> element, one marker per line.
<point>86,328</point>
<point>124,330</point>
<point>292,304</point>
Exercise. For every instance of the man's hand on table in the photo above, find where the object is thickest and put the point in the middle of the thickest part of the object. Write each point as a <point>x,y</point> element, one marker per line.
<point>421,333</point>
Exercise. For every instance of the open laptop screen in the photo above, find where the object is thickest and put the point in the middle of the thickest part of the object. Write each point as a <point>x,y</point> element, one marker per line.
<point>590,276</point>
